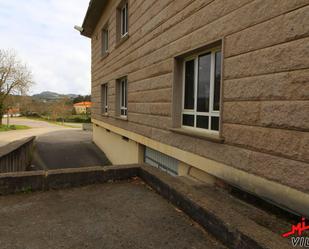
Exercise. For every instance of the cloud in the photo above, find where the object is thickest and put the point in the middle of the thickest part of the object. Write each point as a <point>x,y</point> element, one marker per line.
<point>41,32</point>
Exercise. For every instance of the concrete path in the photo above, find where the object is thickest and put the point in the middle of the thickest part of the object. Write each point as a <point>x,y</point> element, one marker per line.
<point>111,216</point>
<point>67,149</point>
<point>37,128</point>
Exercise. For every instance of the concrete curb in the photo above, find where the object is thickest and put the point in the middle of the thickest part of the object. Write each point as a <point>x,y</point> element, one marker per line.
<point>184,198</point>
<point>211,210</point>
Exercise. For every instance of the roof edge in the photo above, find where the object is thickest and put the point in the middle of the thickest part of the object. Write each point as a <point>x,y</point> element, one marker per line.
<point>92,17</point>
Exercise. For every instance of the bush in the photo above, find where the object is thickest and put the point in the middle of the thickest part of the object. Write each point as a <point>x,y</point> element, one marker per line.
<point>31,114</point>
<point>76,119</point>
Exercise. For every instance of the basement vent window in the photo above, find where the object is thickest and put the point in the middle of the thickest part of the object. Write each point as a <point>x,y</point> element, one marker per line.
<point>161,161</point>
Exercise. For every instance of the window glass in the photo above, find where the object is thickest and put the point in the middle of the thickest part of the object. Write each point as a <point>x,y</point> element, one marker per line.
<point>202,122</point>
<point>215,123</point>
<point>217,83</point>
<point>104,41</point>
<point>104,95</point>
<point>123,12</point>
<point>123,96</point>
<point>203,83</point>
<point>188,120</point>
<point>189,85</point>
<point>126,18</point>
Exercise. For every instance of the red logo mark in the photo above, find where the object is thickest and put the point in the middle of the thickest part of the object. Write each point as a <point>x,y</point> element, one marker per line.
<point>297,229</point>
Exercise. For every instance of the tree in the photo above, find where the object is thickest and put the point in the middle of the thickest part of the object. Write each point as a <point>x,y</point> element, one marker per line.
<point>15,78</point>
<point>78,99</point>
<point>61,109</point>
<point>81,98</point>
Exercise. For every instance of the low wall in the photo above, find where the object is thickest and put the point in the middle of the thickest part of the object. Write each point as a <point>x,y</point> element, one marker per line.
<point>29,181</point>
<point>16,156</point>
<point>118,149</point>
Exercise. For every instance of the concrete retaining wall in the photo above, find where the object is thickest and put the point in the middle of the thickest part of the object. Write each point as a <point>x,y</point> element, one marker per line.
<point>16,156</point>
<point>11,183</point>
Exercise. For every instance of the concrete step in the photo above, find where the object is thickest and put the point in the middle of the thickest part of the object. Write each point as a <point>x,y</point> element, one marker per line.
<point>234,222</point>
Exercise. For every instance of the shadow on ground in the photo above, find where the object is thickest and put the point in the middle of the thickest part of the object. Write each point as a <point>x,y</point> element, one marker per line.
<point>67,149</point>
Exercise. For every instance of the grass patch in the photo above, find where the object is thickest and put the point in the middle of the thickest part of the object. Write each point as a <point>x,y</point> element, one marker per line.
<point>13,127</point>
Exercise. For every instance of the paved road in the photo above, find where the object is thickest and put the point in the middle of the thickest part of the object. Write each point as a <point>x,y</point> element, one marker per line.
<point>37,128</point>
<point>57,146</point>
<point>67,149</point>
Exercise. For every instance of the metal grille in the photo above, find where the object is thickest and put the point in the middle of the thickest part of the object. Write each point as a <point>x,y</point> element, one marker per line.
<point>161,161</point>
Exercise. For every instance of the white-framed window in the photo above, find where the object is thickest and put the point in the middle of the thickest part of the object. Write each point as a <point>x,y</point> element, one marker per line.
<point>104,94</point>
<point>201,91</point>
<point>124,19</point>
<point>123,92</point>
<point>105,40</point>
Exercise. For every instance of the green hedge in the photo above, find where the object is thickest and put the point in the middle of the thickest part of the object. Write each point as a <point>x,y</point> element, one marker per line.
<point>76,119</point>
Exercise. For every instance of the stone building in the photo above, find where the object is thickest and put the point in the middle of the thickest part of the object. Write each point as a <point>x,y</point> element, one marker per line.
<point>214,89</point>
<point>82,107</point>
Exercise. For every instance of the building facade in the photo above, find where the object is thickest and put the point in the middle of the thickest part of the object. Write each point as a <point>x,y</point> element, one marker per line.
<point>83,107</point>
<point>214,89</point>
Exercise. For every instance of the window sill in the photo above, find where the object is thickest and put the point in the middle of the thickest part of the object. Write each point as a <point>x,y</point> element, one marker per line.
<point>104,55</point>
<point>198,134</point>
<point>122,40</point>
<point>122,118</point>
<point>105,115</point>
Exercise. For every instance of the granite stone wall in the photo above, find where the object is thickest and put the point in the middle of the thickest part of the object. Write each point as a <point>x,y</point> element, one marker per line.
<point>265,107</point>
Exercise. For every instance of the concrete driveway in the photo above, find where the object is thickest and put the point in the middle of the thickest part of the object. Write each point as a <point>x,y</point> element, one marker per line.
<point>67,149</point>
<point>37,128</point>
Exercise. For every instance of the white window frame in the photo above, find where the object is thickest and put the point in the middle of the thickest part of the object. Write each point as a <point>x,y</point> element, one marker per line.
<point>123,99</point>
<point>105,98</point>
<point>124,20</point>
<point>194,112</point>
<point>105,40</point>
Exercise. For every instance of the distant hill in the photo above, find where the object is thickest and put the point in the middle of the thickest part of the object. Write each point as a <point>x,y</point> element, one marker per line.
<point>49,96</point>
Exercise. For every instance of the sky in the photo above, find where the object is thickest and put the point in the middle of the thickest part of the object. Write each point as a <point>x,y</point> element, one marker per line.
<point>41,33</point>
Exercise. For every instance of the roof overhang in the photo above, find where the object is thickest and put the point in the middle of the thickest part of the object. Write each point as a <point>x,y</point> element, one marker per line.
<point>93,16</point>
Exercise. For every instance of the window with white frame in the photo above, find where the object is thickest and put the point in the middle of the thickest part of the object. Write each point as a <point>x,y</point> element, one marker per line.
<point>104,94</point>
<point>123,91</point>
<point>105,40</point>
<point>201,91</point>
<point>124,19</point>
